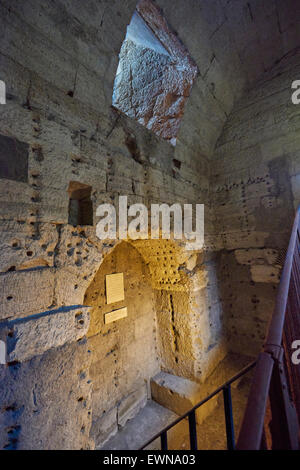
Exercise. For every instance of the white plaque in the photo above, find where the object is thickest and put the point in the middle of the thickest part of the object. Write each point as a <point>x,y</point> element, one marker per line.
<point>115,315</point>
<point>114,288</point>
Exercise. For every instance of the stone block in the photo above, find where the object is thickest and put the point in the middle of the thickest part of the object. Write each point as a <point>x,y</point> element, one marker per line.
<point>26,292</point>
<point>262,273</point>
<point>256,256</point>
<point>47,401</point>
<point>180,395</point>
<point>34,335</point>
<point>20,250</point>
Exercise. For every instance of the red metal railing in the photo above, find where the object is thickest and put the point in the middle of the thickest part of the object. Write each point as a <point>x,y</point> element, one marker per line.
<point>271,417</point>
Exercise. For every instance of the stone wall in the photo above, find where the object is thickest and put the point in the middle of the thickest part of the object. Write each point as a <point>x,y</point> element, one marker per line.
<point>255,193</point>
<point>46,400</point>
<point>58,60</point>
<point>59,109</point>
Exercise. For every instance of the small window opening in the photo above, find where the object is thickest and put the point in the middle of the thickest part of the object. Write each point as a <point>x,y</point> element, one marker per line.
<point>80,204</point>
<point>155,73</point>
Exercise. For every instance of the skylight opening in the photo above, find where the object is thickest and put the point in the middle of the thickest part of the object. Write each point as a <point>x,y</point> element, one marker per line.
<point>155,73</point>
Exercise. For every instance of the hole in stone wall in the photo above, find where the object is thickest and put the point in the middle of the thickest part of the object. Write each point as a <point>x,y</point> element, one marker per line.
<point>80,204</point>
<point>155,73</point>
<point>11,269</point>
<point>177,164</point>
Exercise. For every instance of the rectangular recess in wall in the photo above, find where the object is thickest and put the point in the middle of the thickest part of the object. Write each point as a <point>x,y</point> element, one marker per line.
<point>13,159</point>
<point>115,315</point>
<point>114,288</point>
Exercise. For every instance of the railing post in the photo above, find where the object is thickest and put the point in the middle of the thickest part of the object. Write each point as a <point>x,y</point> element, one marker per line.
<point>193,430</point>
<point>164,440</point>
<point>228,417</point>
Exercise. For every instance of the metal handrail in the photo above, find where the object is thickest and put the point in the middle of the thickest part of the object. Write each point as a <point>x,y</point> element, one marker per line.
<point>270,381</point>
<point>191,415</point>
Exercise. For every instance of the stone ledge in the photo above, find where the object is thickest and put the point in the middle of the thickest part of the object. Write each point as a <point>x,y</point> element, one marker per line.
<point>32,336</point>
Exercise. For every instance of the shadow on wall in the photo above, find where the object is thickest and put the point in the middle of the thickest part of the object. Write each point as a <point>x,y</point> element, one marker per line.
<point>155,73</point>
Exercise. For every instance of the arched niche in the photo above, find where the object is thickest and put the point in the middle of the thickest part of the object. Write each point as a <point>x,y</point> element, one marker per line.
<point>124,353</point>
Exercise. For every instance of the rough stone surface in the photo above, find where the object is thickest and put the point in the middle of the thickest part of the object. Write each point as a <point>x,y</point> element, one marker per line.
<point>152,86</point>
<point>46,401</point>
<point>38,333</point>
<point>255,202</point>
<point>131,405</point>
<point>175,393</point>
<point>237,151</point>
<point>26,247</point>
<point>26,293</point>
<point>105,428</point>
